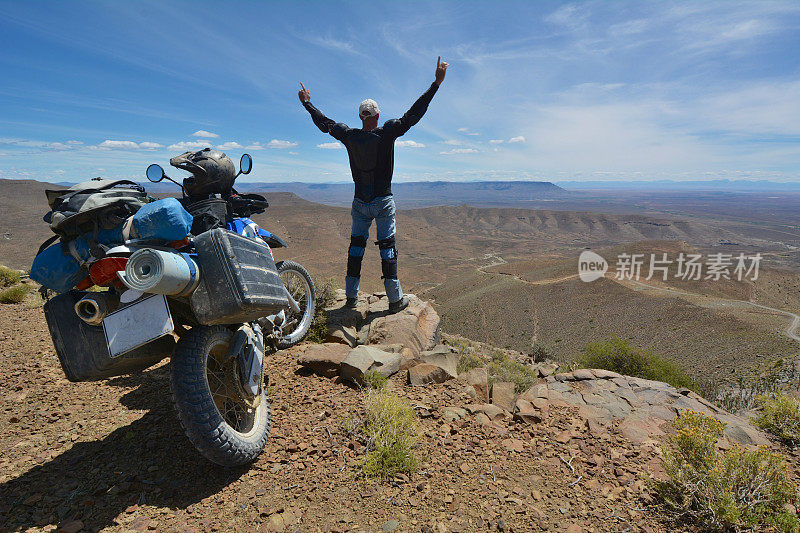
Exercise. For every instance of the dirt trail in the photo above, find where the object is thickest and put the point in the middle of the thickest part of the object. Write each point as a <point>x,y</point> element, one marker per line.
<point>790,330</point>
<point>500,261</point>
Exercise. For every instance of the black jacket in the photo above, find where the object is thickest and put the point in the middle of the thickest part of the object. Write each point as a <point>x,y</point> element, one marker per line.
<point>372,152</point>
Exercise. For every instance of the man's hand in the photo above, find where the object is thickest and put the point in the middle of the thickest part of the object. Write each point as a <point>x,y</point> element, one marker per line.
<point>305,96</point>
<point>441,70</point>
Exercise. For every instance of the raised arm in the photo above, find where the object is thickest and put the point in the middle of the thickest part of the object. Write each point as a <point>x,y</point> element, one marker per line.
<point>325,125</point>
<point>400,126</point>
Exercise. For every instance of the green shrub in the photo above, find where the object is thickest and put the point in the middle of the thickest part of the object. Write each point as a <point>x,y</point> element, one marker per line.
<point>326,295</point>
<point>619,355</point>
<point>9,277</point>
<point>541,352</point>
<point>780,415</point>
<point>504,368</point>
<point>375,380</point>
<point>468,361</point>
<point>14,295</point>
<point>500,367</point>
<point>723,490</point>
<point>391,430</point>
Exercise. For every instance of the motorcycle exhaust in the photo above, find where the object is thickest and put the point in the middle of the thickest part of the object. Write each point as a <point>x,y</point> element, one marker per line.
<point>160,272</point>
<point>93,308</point>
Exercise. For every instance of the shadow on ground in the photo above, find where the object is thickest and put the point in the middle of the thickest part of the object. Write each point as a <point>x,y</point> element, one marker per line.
<point>150,461</point>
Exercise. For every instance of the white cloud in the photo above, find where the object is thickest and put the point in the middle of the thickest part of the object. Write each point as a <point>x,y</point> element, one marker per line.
<point>294,153</point>
<point>150,145</point>
<point>496,141</point>
<point>409,144</point>
<point>189,145</point>
<point>205,134</point>
<point>74,142</point>
<point>330,146</point>
<point>118,145</point>
<point>109,144</point>
<point>463,129</point>
<point>280,145</point>
<point>254,146</point>
<point>518,139</point>
<point>453,142</point>
<point>459,151</point>
<point>230,145</point>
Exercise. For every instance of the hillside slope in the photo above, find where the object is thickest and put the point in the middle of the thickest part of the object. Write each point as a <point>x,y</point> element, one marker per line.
<point>111,455</point>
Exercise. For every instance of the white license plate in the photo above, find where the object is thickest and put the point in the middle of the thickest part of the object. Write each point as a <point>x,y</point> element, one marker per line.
<point>137,324</point>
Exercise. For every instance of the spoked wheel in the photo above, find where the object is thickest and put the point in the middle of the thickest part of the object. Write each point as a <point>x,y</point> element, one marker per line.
<point>300,285</point>
<point>226,425</point>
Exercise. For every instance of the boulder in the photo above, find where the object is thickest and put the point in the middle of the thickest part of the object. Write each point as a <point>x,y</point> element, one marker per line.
<point>345,316</point>
<point>492,411</point>
<point>451,414</point>
<point>526,412</point>
<point>536,391</point>
<point>386,363</point>
<point>426,373</point>
<point>416,327</point>
<point>478,378</point>
<point>443,357</point>
<point>547,369</point>
<point>363,359</point>
<point>407,359</point>
<point>503,395</point>
<point>342,334</point>
<point>324,359</point>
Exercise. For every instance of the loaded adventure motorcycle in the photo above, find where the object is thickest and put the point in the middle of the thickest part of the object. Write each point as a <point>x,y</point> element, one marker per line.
<point>197,269</point>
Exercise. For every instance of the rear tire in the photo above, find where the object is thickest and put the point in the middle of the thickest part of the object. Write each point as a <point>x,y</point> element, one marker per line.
<point>298,282</point>
<point>223,428</point>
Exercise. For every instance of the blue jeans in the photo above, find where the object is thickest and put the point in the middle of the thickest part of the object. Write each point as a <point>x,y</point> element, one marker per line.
<point>382,210</point>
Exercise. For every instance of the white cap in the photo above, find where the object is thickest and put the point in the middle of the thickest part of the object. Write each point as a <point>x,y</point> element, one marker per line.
<point>368,108</point>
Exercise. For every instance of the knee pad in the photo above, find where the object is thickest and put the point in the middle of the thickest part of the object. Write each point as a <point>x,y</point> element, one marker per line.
<point>357,245</point>
<point>355,254</point>
<point>388,257</point>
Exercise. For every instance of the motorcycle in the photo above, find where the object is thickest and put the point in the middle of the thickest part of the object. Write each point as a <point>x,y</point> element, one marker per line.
<point>225,298</point>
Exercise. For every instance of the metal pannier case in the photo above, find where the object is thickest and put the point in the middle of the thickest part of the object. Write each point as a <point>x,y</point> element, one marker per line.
<point>83,349</point>
<point>239,281</point>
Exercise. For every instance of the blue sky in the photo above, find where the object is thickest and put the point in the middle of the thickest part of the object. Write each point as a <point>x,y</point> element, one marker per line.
<point>535,90</point>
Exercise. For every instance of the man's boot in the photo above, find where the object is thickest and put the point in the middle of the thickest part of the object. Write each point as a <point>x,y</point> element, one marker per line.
<point>399,305</point>
<point>351,303</point>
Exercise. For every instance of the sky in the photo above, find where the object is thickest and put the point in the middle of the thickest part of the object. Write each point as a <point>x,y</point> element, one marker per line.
<point>535,90</point>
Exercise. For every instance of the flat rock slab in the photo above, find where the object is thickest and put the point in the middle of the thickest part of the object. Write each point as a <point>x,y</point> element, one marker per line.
<point>638,407</point>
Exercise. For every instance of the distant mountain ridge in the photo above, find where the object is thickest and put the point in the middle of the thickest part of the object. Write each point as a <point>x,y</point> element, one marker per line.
<point>409,194</point>
<point>728,185</point>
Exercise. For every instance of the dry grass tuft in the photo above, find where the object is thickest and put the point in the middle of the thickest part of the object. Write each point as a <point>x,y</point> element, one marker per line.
<point>15,294</point>
<point>391,430</point>
<point>9,276</point>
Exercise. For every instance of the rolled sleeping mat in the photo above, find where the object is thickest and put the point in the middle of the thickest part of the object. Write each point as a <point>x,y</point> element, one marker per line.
<point>160,272</point>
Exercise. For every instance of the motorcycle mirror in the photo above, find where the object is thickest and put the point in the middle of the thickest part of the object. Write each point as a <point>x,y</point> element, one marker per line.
<point>245,164</point>
<point>155,173</point>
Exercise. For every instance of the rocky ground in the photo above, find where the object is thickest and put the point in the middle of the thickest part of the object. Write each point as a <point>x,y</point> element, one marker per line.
<point>571,453</point>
